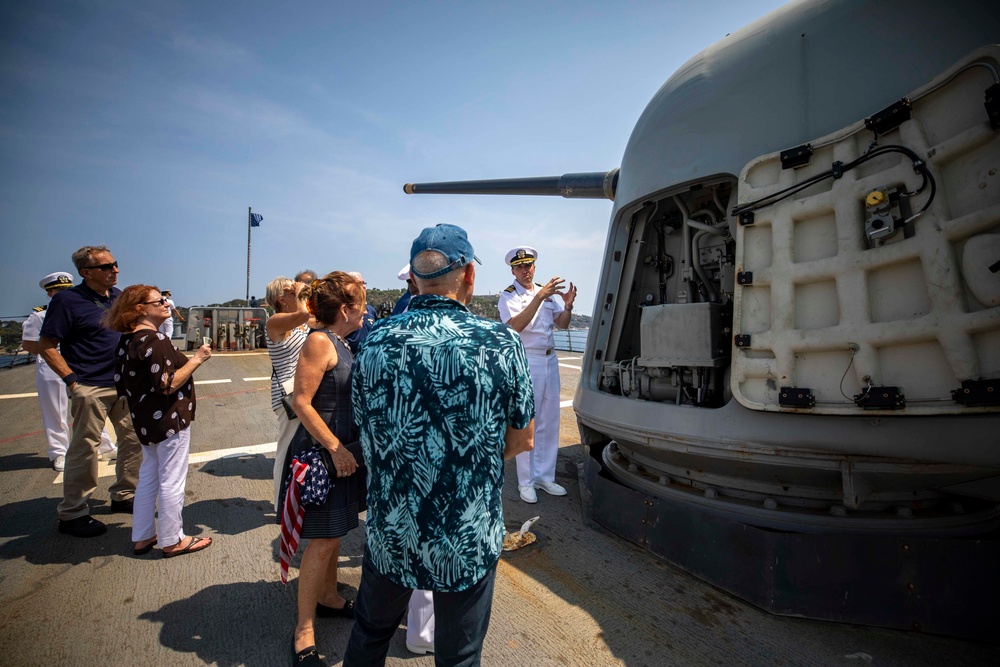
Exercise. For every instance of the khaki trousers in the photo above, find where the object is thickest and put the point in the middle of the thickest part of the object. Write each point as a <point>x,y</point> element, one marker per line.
<point>90,406</point>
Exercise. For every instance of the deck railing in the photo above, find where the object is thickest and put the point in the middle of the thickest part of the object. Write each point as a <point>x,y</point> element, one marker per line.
<point>570,340</point>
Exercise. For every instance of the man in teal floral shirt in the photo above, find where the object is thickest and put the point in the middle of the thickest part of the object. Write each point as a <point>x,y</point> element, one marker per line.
<point>442,397</point>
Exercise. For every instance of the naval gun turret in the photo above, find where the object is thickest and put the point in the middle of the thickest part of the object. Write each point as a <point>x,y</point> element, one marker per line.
<point>792,384</point>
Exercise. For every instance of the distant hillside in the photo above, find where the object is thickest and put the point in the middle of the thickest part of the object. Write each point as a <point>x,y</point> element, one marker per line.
<point>382,300</point>
<point>483,305</point>
<point>10,336</point>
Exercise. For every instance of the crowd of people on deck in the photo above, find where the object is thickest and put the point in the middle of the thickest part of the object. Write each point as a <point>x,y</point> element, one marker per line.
<point>409,418</point>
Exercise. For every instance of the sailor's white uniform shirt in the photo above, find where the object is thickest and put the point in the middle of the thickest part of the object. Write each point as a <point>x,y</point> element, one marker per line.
<point>537,336</point>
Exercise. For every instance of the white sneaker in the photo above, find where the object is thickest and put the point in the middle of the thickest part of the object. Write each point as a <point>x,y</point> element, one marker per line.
<point>59,463</point>
<point>551,488</point>
<point>420,648</point>
<point>108,455</point>
<point>528,494</point>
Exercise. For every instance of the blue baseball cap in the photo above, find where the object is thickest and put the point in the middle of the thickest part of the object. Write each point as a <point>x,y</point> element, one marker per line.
<point>450,241</point>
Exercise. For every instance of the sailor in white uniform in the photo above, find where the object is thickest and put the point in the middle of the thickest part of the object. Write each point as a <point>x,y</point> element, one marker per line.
<point>52,398</point>
<point>167,328</point>
<point>533,310</point>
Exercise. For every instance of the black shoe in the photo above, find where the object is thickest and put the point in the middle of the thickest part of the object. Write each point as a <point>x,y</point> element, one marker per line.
<point>122,506</point>
<point>84,526</point>
<point>347,611</point>
<point>307,657</point>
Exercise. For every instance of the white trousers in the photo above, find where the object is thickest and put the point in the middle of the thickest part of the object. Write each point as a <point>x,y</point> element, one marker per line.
<point>162,477</point>
<point>420,619</point>
<point>286,431</point>
<point>167,328</point>
<point>539,464</point>
<point>54,404</point>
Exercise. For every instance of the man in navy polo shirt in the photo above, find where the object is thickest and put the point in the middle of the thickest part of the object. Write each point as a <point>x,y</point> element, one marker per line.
<point>85,361</point>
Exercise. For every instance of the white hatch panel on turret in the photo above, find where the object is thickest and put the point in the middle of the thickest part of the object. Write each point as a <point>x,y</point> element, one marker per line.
<point>868,272</point>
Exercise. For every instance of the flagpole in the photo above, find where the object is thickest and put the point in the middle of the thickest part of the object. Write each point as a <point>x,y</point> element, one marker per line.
<point>249,227</point>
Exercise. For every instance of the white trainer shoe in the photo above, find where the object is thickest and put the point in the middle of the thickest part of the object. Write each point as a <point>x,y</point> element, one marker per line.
<point>528,494</point>
<point>551,488</point>
<point>420,648</point>
<point>107,455</point>
<point>59,463</point>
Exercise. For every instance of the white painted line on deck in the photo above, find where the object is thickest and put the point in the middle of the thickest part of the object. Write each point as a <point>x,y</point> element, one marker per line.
<point>226,355</point>
<point>197,382</point>
<point>234,354</point>
<point>260,379</point>
<point>571,358</point>
<point>234,452</point>
<point>3,396</point>
<point>570,366</point>
<point>107,468</point>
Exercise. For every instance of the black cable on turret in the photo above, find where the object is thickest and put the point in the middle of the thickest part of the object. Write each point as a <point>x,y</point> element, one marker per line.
<point>838,169</point>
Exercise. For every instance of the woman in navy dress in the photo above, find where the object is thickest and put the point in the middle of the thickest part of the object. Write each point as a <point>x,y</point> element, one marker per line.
<point>322,401</point>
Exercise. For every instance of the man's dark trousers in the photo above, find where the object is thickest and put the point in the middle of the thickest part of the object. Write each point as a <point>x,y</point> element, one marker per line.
<point>460,620</point>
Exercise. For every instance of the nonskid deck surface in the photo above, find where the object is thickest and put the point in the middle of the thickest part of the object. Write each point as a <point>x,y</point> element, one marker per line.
<point>579,597</point>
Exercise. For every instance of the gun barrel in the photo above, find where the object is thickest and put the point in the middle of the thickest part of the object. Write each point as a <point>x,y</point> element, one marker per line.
<point>590,185</point>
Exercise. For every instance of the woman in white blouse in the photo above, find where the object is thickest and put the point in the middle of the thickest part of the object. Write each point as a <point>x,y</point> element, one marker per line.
<point>286,333</point>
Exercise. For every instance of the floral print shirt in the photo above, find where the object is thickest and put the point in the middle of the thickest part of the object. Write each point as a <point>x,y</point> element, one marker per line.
<point>434,390</point>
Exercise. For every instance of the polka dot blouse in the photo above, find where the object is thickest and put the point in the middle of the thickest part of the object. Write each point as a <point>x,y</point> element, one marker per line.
<point>145,363</point>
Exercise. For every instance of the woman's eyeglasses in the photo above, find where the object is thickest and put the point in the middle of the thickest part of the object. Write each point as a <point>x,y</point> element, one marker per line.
<point>104,267</point>
<point>158,302</point>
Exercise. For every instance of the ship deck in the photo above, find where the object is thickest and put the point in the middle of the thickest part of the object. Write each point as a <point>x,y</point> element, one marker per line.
<point>580,596</point>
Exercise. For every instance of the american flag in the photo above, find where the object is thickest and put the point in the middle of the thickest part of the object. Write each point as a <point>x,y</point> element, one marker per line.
<point>255,219</point>
<point>291,518</point>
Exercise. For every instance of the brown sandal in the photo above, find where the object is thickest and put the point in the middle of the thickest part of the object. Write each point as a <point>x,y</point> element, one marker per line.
<point>196,544</point>
<point>143,550</point>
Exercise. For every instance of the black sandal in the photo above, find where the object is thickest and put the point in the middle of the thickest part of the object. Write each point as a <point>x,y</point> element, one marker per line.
<point>142,551</point>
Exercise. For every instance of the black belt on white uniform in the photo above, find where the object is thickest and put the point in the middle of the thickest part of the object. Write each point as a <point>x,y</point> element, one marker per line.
<point>538,350</point>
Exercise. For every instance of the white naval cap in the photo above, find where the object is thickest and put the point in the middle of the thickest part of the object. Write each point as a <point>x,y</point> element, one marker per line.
<point>404,273</point>
<point>59,279</point>
<point>522,254</point>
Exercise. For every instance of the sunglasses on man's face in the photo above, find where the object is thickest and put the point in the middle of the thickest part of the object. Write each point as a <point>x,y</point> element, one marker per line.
<point>104,267</point>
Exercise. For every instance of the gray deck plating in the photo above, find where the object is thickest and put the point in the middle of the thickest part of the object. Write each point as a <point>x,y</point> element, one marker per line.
<point>581,597</point>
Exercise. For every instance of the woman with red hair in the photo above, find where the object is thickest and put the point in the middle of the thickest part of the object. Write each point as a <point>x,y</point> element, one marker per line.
<point>155,378</point>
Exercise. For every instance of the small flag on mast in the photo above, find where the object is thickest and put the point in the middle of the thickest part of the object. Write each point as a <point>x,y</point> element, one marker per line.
<point>255,219</point>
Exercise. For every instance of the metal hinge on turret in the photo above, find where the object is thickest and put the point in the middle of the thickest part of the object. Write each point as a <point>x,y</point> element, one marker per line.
<point>977,393</point>
<point>794,158</point>
<point>796,397</point>
<point>889,118</point>
<point>880,398</point>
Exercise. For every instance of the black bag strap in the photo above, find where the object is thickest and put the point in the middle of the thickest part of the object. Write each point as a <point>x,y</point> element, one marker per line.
<point>274,376</point>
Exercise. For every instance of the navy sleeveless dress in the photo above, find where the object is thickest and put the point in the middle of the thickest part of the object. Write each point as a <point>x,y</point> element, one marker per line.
<point>347,498</point>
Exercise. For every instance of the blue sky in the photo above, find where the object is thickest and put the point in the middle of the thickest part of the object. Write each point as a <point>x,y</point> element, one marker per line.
<point>151,127</point>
